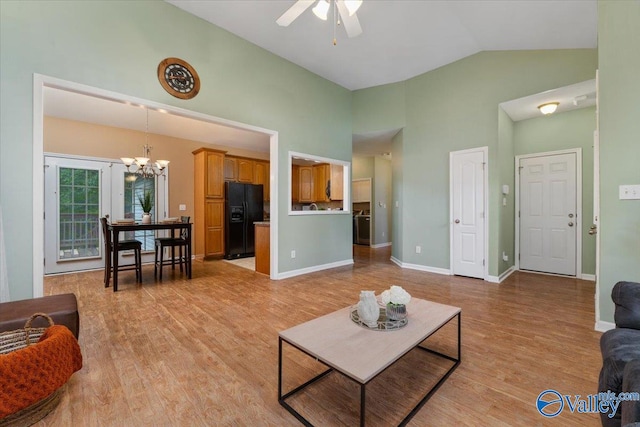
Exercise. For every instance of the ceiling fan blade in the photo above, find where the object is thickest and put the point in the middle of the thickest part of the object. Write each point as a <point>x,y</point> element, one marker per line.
<point>351,23</point>
<point>293,12</point>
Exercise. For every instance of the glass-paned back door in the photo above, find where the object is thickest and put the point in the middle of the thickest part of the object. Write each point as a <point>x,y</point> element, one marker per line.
<point>76,192</point>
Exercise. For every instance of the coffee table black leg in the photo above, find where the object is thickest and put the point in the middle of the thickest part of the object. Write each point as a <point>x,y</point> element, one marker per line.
<point>362,404</point>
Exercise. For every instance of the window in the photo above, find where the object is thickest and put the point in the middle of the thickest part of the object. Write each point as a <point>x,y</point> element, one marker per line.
<point>79,205</point>
<point>135,186</point>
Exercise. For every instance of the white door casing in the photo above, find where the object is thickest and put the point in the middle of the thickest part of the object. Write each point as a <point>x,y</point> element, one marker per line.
<point>549,217</point>
<point>468,190</point>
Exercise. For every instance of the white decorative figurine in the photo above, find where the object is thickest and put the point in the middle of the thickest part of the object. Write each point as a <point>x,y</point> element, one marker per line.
<point>368,309</point>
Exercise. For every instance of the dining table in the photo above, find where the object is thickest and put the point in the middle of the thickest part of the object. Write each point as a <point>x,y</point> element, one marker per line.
<point>115,228</point>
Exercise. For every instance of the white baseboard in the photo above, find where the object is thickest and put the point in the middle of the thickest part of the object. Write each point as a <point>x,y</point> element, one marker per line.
<point>381,245</point>
<point>502,277</point>
<point>603,326</point>
<point>293,273</point>
<point>589,277</point>
<point>436,270</point>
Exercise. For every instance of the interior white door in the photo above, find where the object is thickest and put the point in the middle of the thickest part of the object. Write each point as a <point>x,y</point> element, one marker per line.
<point>76,193</point>
<point>468,213</point>
<point>548,220</point>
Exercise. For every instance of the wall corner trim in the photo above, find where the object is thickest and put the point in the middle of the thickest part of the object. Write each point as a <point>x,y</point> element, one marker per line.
<point>502,277</point>
<point>602,326</point>
<point>418,267</point>
<point>312,269</point>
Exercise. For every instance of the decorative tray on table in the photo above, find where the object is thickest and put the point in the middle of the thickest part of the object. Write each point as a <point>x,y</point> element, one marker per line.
<point>384,323</point>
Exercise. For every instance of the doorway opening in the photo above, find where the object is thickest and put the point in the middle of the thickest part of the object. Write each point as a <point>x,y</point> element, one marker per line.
<point>42,82</point>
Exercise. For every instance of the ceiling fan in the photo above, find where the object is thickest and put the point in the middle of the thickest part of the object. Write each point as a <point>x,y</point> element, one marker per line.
<point>346,14</point>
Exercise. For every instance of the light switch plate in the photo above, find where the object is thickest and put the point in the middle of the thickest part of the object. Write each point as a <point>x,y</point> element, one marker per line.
<point>629,192</point>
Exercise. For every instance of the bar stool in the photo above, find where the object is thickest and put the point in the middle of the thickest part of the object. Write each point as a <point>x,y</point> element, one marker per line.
<point>173,243</point>
<point>123,245</point>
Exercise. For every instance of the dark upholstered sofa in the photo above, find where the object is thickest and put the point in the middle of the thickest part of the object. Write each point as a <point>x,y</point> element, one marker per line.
<point>620,349</point>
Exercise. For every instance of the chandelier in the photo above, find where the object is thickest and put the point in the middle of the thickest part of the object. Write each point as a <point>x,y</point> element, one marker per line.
<point>144,166</point>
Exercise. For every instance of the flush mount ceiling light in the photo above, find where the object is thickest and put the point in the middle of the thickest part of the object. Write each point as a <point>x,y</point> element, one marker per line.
<point>548,108</point>
<point>344,13</point>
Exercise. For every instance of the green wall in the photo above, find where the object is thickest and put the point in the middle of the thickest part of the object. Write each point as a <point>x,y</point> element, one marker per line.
<point>455,107</point>
<point>619,127</point>
<point>465,115</point>
<point>379,108</point>
<point>573,129</point>
<point>117,46</point>
<point>506,213</point>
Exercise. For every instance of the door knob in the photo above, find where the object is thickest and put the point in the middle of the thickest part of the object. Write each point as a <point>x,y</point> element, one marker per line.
<point>570,224</point>
<point>457,221</point>
<point>570,215</point>
<point>593,230</point>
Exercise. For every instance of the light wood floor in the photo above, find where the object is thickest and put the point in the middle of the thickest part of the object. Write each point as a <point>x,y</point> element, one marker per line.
<point>204,352</point>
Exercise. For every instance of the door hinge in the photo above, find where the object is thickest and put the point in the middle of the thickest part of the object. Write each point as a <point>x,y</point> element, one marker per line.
<point>483,263</point>
<point>518,257</point>
<point>518,214</point>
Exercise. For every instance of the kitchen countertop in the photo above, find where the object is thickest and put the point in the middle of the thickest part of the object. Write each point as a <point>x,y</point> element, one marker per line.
<point>262,223</point>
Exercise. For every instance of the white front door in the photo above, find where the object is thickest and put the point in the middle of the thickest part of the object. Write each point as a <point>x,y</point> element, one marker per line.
<point>548,215</point>
<point>76,194</point>
<point>468,212</point>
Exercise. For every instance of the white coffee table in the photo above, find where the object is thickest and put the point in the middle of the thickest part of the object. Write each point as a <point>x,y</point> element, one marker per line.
<point>361,354</point>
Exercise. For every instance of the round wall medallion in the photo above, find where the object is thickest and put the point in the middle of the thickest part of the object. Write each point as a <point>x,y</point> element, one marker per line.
<point>178,78</point>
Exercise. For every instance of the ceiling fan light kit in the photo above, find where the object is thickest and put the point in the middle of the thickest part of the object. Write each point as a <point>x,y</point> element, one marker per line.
<point>345,14</point>
<point>321,9</point>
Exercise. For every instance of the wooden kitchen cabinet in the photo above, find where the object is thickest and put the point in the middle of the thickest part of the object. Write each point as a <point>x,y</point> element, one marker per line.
<point>321,176</point>
<point>261,176</point>
<point>208,172</point>
<point>208,220</point>
<point>263,248</point>
<point>337,183</point>
<point>295,183</point>
<point>214,219</point>
<point>230,169</point>
<point>245,170</point>
<point>239,169</point>
<point>306,194</point>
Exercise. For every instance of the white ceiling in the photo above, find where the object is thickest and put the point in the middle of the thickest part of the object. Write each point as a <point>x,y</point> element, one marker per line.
<point>400,39</point>
<point>579,95</point>
<point>74,106</point>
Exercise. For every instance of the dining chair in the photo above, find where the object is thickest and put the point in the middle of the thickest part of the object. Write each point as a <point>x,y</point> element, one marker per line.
<point>123,245</point>
<point>179,242</point>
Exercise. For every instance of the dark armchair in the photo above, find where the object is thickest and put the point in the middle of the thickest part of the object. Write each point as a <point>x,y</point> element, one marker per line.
<point>620,349</point>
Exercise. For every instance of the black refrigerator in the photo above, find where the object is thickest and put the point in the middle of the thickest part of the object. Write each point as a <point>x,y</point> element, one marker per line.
<point>243,205</point>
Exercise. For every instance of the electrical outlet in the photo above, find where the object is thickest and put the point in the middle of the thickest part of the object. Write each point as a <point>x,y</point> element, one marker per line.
<point>293,254</point>
<point>418,249</point>
<point>505,257</point>
<point>397,204</point>
<point>182,207</point>
<point>383,234</point>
